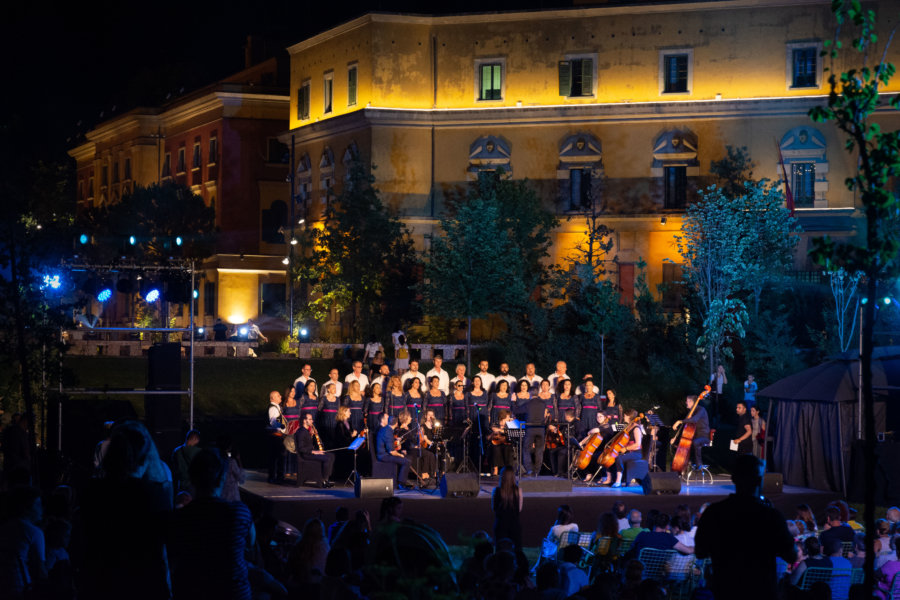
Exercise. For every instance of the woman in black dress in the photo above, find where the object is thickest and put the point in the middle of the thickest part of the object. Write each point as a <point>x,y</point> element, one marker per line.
<point>435,400</point>
<point>396,399</point>
<point>506,502</point>
<point>357,403</point>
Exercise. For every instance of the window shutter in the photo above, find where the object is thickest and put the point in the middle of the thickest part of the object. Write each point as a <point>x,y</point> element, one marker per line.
<point>565,78</point>
<point>351,86</point>
<point>587,77</point>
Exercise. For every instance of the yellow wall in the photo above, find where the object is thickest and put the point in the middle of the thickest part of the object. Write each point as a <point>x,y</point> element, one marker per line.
<point>238,296</point>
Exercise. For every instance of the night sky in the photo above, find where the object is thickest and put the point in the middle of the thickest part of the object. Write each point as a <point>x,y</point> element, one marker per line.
<point>69,62</point>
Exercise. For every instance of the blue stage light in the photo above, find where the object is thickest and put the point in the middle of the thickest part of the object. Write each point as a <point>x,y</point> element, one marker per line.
<point>304,332</point>
<point>52,281</point>
<point>196,294</point>
<point>152,295</point>
<point>83,238</point>
<point>178,241</point>
<point>104,294</point>
<point>887,300</point>
<point>243,331</point>
<point>132,240</point>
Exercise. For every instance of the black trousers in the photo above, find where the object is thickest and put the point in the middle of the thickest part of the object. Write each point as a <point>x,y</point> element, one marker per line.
<point>276,458</point>
<point>326,460</point>
<point>534,442</point>
<point>402,463</point>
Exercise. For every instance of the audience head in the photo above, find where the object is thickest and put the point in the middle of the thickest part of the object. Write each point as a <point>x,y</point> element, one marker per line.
<point>564,515</point>
<point>805,512</point>
<point>618,509</point>
<point>207,473</point>
<point>843,507</point>
<point>833,516</point>
<point>571,553</point>
<point>661,521</point>
<point>192,438</point>
<point>833,547</point>
<point>130,450</point>
<point>182,499</point>
<point>747,475</point>
<point>391,509</point>
<point>882,527</point>
<point>342,513</point>
<point>547,577</point>
<point>893,514</point>
<point>608,525</point>
<point>338,563</point>
<point>811,546</point>
<point>634,518</point>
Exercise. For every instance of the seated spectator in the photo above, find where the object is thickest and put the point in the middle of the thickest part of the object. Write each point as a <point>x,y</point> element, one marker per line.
<point>22,548</point>
<point>339,582</point>
<point>853,523</point>
<point>794,529</point>
<point>341,516</point>
<point>634,528</point>
<point>634,574</point>
<point>563,525</point>
<point>893,517</point>
<point>60,576</point>
<point>805,514</point>
<point>835,528</point>
<point>888,571</point>
<point>181,460</point>
<point>547,586</point>
<point>391,511</point>
<point>833,550</point>
<point>618,509</point>
<point>814,558</point>
<point>499,584</point>
<point>571,578</point>
<point>659,538</point>
<point>882,549</point>
<point>207,538</point>
<point>859,551</point>
<point>234,470</point>
<point>307,560</point>
<point>678,568</point>
<point>473,571</point>
<point>605,554</point>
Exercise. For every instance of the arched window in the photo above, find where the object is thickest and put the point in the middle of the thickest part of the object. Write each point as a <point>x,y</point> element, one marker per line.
<point>488,154</point>
<point>806,165</point>
<point>579,171</point>
<point>326,174</point>
<point>674,160</point>
<point>303,180</point>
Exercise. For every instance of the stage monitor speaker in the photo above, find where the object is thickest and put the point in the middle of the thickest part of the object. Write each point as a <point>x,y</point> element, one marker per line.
<point>370,487</point>
<point>772,483</point>
<point>460,485</point>
<point>661,482</point>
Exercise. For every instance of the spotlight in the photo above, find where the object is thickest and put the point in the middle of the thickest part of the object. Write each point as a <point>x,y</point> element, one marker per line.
<point>52,281</point>
<point>201,330</point>
<point>243,331</point>
<point>132,240</point>
<point>152,296</point>
<point>83,238</point>
<point>293,241</point>
<point>285,261</point>
<point>105,292</point>
<point>887,300</point>
<point>196,294</point>
<point>304,332</point>
<point>864,300</point>
<point>178,241</point>
<point>301,221</point>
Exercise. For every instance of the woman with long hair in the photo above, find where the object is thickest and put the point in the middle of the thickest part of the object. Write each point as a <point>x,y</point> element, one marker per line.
<point>396,398</point>
<point>565,522</point>
<point>374,407</point>
<point>309,403</point>
<point>477,397</point>
<point>589,401</point>
<point>521,398</point>
<point>357,404</point>
<point>506,502</point>
<point>290,408</point>
<point>306,562</point>
<point>805,514</point>
<point>565,397</point>
<point>328,413</point>
<point>500,399</point>
<point>342,435</point>
<point>549,400</point>
<point>435,399</point>
<point>413,394</point>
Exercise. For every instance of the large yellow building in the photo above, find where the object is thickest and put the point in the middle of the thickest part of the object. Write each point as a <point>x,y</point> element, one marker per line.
<point>623,107</point>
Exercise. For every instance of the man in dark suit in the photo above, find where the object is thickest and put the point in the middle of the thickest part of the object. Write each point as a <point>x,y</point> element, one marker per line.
<point>384,449</point>
<point>309,448</point>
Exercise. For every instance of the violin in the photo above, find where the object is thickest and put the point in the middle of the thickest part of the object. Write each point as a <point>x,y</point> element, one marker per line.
<point>555,437</point>
<point>619,444</point>
<point>687,436</point>
<point>316,438</point>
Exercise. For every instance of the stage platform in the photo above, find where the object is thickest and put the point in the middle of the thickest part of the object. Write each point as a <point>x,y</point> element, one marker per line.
<point>457,518</point>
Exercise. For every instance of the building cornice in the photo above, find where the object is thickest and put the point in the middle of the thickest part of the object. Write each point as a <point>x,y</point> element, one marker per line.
<point>544,15</point>
<point>83,153</point>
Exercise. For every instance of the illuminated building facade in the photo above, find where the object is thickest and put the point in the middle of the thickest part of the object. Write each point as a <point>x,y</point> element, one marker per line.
<point>616,108</point>
<point>222,142</point>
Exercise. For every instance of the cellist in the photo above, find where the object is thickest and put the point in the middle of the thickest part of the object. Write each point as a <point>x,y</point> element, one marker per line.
<point>632,450</point>
<point>700,421</point>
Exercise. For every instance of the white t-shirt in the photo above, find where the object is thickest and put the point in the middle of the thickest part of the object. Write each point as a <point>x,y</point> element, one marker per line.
<point>554,378</point>
<point>406,376</point>
<point>487,381</point>
<point>361,378</point>
<point>510,379</point>
<point>371,349</point>
<point>444,379</point>
<point>338,387</point>
<point>395,337</point>
<point>551,542</point>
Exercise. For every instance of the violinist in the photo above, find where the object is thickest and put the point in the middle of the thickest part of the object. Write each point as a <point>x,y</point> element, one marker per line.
<point>632,450</point>
<point>700,420</point>
<point>385,451</point>
<point>502,450</point>
<point>612,409</point>
<point>561,437</point>
<point>342,435</point>
<point>310,448</point>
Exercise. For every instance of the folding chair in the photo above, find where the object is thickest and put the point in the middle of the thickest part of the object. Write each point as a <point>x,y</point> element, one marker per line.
<point>625,546</point>
<point>837,579</point>
<point>847,548</point>
<point>595,551</point>
<point>654,562</point>
<point>894,593</point>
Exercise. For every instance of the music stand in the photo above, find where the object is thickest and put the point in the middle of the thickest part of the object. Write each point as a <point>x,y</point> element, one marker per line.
<point>654,421</point>
<point>355,445</point>
<point>515,430</point>
<point>466,465</point>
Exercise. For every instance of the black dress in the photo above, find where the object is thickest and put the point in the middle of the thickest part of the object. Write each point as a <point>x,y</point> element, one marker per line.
<point>507,523</point>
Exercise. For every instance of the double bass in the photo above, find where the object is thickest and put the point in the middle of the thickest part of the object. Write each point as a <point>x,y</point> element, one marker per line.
<point>619,444</point>
<point>687,436</point>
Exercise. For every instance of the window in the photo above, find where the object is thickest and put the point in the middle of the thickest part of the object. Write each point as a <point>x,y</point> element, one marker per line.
<point>671,286</point>
<point>489,154</point>
<point>127,169</point>
<point>181,163</point>
<point>803,67</point>
<point>167,165</point>
<point>116,172</point>
<point>209,298</point>
<point>490,81</point>
<point>675,71</point>
<point>580,189</point>
<point>303,101</point>
<point>576,77</point>
<point>272,296</point>
<point>675,179</point>
<point>803,180</point>
<point>90,188</point>
<point>213,150</point>
<point>104,175</point>
<point>195,159</point>
<point>352,73</point>
<point>276,152</point>
<point>328,92</point>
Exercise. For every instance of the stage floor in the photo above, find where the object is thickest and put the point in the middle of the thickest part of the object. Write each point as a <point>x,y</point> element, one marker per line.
<point>457,518</point>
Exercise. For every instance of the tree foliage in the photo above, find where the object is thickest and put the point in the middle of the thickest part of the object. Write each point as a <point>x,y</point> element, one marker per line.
<point>156,216</point>
<point>359,261</point>
<point>732,248</point>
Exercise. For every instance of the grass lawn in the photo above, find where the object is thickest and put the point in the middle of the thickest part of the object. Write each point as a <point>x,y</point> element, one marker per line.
<point>222,386</point>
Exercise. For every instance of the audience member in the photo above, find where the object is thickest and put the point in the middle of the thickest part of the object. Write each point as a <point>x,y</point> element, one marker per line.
<point>634,526</point>
<point>889,571</point>
<point>181,461</point>
<point>308,558</point>
<point>571,578</point>
<point>744,520</point>
<point>506,502</point>
<point>22,547</point>
<point>563,525</point>
<point>234,471</point>
<point>835,528</point>
<point>814,558</point>
<point>341,516</point>
<point>658,538</point>
<point>207,538</point>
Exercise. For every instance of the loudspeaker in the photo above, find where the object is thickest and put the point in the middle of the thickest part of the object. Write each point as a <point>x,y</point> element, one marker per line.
<point>772,483</point>
<point>163,411</point>
<point>661,482</point>
<point>369,487</point>
<point>459,485</point>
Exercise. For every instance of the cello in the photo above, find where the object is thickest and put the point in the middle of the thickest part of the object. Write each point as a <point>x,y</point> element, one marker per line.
<point>618,444</point>
<point>687,436</point>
